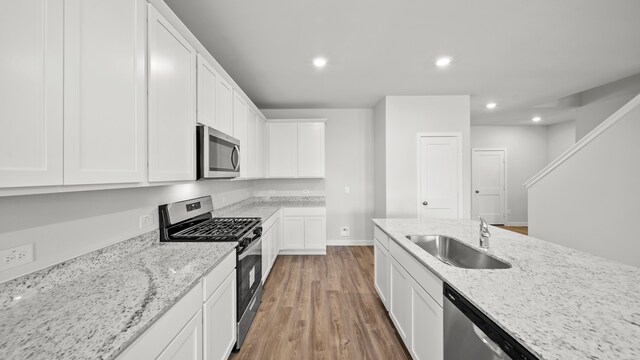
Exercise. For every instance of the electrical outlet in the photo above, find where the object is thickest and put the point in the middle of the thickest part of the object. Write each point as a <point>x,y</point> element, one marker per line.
<point>346,190</point>
<point>16,256</point>
<point>146,220</point>
<point>344,231</point>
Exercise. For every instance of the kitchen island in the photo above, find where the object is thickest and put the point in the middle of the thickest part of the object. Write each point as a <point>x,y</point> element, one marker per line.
<point>558,302</point>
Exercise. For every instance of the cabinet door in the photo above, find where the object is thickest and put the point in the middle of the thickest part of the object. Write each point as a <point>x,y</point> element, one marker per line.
<point>260,160</point>
<point>283,150</point>
<point>381,272</point>
<point>207,84</point>
<point>293,232</point>
<point>240,130</point>
<point>105,97</point>
<point>220,320</point>
<point>172,102</point>
<point>224,106</point>
<point>400,300</point>
<point>314,232</point>
<point>31,101</point>
<point>252,143</point>
<point>311,150</point>
<point>427,325</point>
<point>188,344</point>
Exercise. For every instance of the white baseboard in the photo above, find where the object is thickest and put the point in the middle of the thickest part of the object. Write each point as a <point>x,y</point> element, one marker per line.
<point>303,252</point>
<point>517,224</point>
<point>349,242</point>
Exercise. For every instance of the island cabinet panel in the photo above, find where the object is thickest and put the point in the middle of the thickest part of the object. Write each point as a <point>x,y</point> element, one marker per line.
<point>188,344</point>
<point>400,300</point>
<point>427,335</point>
<point>31,92</point>
<point>172,102</point>
<point>220,320</point>
<point>413,296</point>
<point>381,272</point>
<point>105,96</point>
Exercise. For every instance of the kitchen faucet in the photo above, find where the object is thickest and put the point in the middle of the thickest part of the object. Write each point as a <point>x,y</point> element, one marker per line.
<point>484,234</point>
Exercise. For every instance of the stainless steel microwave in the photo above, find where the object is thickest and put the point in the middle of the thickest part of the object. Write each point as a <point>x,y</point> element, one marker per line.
<point>218,154</point>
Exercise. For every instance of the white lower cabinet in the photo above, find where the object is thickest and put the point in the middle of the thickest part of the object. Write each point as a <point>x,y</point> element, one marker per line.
<point>304,231</point>
<point>188,344</point>
<point>201,325</point>
<point>413,297</point>
<point>427,338</point>
<point>220,320</point>
<point>271,240</point>
<point>381,272</point>
<point>400,300</point>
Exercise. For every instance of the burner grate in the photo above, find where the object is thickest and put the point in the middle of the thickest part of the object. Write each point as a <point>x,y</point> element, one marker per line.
<point>219,228</point>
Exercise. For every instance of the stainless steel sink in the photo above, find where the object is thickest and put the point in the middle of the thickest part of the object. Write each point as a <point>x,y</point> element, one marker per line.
<point>456,253</point>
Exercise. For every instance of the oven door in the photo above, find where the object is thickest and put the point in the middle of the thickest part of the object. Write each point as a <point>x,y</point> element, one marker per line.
<point>218,154</point>
<point>249,273</point>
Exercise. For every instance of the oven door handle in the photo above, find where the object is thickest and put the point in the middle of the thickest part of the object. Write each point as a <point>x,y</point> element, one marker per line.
<point>246,251</point>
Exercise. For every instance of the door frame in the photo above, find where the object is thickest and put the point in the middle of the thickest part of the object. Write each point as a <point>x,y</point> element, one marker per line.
<point>457,135</point>
<point>506,185</point>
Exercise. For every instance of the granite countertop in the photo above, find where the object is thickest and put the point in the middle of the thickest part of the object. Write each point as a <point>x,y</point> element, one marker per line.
<point>81,310</point>
<point>265,207</point>
<point>558,302</point>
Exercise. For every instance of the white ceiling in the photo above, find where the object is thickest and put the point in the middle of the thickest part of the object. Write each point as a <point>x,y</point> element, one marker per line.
<point>519,53</point>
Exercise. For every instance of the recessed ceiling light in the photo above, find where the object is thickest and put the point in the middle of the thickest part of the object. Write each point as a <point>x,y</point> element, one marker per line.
<point>491,105</point>
<point>536,118</point>
<point>319,62</point>
<point>443,61</point>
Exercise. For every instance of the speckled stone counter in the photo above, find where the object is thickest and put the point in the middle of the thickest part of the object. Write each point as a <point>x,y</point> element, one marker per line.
<point>558,302</point>
<point>265,207</point>
<point>94,306</point>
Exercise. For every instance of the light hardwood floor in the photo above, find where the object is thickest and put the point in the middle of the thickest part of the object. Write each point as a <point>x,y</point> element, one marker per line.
<point>322,307</point>
<point>524,230</point>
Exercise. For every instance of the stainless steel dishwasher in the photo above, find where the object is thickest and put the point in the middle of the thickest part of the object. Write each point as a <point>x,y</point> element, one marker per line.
<point>469,334</point>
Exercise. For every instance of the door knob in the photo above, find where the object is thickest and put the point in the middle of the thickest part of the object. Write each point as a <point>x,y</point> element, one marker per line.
<point>425,203</point>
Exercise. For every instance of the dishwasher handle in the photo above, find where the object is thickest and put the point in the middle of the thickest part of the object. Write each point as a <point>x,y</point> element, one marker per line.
<point>488,342</point>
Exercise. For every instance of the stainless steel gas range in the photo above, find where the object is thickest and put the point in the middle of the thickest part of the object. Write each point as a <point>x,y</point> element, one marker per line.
<point>191,220</point>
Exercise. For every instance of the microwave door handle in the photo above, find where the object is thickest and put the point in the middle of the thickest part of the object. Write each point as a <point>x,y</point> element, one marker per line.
<point>236,150</point>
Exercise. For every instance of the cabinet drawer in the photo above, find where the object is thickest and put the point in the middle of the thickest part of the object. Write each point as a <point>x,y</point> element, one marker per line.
<point>381,237</point>
<point>216,277</point>
<point>423,276</point>
<point>305,211</point>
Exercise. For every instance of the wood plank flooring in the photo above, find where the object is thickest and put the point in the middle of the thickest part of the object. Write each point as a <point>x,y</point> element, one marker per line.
<point>322,307</point>
<point>524,230</point>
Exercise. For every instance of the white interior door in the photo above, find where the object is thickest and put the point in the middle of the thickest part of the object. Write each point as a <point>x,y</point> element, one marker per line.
<point>489,186</point>
<point>439,177</point>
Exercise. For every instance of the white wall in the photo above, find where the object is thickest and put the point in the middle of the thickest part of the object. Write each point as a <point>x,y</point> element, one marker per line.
<point>560,137</point>
<point>65,225</point>
<point>405,117</point>
<point>526,155</point>
<point>380,162</point>
<point>591,201</point>
<point>349,162</point>
<point>599,103</point>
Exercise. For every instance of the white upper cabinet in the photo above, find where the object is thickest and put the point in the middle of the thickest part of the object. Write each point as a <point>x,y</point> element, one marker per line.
<point>283,149</point>
<point>172,102</point>
<point>207,84</point>
<point>240,130</point>
<point>31,69</point>
<point>296,149</point>
<point>260,149</point>
<point>224,106</point>
<point>311,150</point>
<point>250,151</point>
<point>105,91</point>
